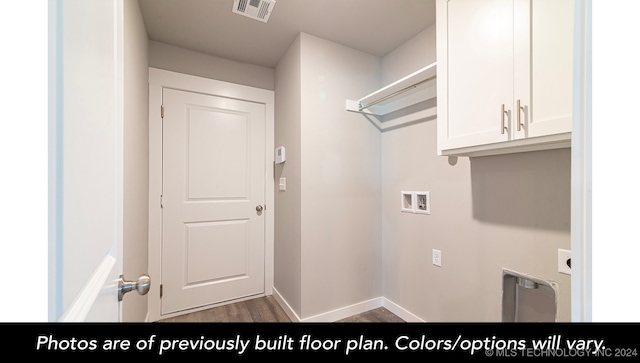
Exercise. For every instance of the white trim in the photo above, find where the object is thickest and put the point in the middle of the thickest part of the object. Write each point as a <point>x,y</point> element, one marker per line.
<point>581,167</point>
<point>119,177</point>
<point>285,306</point>
<point>347,311</point>
<point>157,80</point>
<point>83,302</point>
<point>401,312</point>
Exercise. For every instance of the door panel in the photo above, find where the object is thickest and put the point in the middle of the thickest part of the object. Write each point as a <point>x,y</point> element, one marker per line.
<point>213,179</point>
<point>480,69</point>
<point>204,240</point>
<point>85,160</point>
<point>551,67</point>
<point>213,136</point>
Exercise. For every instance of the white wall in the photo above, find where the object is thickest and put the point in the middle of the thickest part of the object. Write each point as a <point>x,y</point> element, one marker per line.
<point>510,211</point>
<point>136,158</point>
<point>171,58</point>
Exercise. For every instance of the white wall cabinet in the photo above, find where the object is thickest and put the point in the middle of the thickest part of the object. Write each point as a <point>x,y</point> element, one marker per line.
<point>504,75</point>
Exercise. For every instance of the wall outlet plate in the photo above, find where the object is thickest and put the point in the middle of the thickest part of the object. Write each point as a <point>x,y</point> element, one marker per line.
<point>564,261</point>
<point>437,257</point>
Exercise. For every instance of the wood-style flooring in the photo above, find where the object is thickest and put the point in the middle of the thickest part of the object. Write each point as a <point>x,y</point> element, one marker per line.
<point>266,309</point>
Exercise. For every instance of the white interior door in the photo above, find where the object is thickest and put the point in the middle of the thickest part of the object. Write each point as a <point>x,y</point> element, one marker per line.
<point>85,160</point>
<point>213,233</point>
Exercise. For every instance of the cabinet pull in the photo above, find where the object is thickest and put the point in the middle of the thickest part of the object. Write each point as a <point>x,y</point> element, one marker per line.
<point>520,109</point>
<point>503,112</point>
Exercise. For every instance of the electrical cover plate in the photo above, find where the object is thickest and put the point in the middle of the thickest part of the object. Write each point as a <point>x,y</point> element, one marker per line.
<point>280,155</point>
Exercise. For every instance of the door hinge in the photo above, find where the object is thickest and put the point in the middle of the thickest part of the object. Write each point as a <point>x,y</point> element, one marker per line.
<point>161,291</point>
<point>162,111</point>
<point>161,201</point>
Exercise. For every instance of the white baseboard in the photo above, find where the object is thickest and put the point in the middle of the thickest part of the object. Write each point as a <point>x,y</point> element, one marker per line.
<point>401,312</point>
<point>344,312</point>
<point>347,311</point>
<point>285,306</point>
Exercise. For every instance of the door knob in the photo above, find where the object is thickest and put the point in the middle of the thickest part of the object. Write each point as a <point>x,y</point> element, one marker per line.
<point>259,208</point>
<point>142,285</point>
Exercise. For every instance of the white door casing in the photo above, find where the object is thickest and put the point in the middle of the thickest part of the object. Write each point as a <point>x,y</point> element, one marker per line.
<point>85,160</point>
<point>198,207</point>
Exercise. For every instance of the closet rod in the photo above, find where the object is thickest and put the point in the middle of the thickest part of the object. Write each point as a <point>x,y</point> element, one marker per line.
<point>395,93</point>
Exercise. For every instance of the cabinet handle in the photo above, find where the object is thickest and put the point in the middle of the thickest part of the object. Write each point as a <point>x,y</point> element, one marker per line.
<point>520,124</point>
<point>503,112</point>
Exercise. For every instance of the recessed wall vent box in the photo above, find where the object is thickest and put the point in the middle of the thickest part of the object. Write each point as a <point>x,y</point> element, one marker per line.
<point>407,201</point>
<point>527,298</point>
<point>415,202</point>
<point>422,203</point>
<point>254,9</point>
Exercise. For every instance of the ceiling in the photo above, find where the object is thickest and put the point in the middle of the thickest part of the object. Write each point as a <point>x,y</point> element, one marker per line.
<point>209,26</point>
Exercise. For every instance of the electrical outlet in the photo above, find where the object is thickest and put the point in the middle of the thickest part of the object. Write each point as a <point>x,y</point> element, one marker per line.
<point>437,257</point>
<point>564,261</point>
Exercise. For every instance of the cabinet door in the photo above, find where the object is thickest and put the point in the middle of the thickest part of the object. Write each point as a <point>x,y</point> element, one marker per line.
<point>543,63</point>
<point>479,65</point>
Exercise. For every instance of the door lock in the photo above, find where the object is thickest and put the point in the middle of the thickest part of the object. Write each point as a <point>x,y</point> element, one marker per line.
<point>259,208</point>
<point>142,285</point>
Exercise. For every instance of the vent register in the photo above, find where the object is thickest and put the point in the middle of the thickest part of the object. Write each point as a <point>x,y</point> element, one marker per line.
<point>254,9</point>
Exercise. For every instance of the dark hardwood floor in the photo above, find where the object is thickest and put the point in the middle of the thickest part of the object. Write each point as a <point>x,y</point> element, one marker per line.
<point>266,309</point>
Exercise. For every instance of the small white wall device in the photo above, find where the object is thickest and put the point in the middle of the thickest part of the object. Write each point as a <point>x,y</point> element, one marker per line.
<point>280,157</point>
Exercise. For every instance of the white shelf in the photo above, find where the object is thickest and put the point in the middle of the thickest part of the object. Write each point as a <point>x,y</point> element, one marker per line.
<point>410,90</point>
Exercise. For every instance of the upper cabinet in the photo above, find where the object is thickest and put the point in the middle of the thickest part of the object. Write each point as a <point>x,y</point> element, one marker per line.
<point>504,75</point>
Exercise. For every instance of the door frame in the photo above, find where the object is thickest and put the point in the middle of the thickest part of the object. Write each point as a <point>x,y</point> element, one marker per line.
<point>159,79</point>
<point>581,179</point>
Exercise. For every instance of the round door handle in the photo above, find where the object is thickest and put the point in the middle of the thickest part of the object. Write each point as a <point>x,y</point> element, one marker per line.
<point>142,285</point>
<point>259,208</point>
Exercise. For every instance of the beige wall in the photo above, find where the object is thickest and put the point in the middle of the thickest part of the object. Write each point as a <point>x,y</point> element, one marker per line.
<point>416,53</point>
<point>327,222</point>
<point>171,58</point>
<point>340,179</point>
<point>509,211</point>
<point>287,240</point>
<point>136,157</point>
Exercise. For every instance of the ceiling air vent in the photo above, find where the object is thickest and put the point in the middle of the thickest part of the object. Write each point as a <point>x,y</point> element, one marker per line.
<point>255,9</point>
